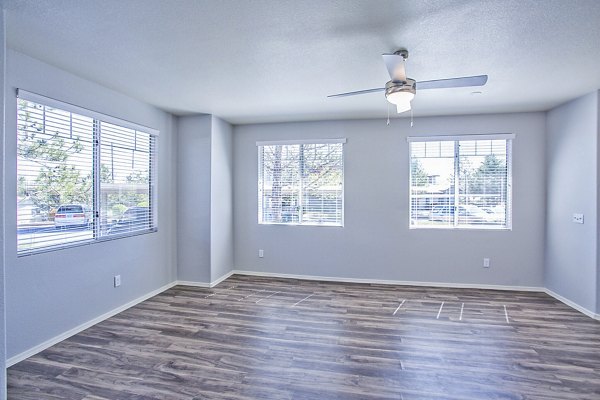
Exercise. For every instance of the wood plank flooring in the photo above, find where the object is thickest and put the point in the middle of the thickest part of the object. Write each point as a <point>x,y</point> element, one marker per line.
<point>265,338</point>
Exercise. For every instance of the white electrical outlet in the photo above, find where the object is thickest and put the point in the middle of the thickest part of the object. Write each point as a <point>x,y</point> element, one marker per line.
<point>117,280</point>
<point>261,253</point>
<point>486,263</point>
<point>578,218</point>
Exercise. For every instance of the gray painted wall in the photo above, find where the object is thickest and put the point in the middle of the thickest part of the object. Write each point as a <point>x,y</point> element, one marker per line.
<point>2,291</point>
<point>572,165</point>
<point>221,211</point>
<point>205,236</point>
<point>47,294</point>
<point>376,242</point>
<point>193,198</point>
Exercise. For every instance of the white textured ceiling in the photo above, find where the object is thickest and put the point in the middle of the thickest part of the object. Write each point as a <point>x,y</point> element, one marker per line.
<point>277,60</point>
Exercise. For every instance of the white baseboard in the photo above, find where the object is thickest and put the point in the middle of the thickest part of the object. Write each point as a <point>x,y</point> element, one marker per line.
<point>221,279</point>
<point>59,338</point>
<point>391,282</point>
<point>193,283</point>
<point>205,284</point>
<point>572,304</point>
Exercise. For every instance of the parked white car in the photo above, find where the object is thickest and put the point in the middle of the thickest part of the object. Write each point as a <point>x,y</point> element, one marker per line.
<point>72,215</point>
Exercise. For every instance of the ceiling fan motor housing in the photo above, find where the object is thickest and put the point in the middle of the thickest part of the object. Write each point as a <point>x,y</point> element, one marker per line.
<point>408,86</point>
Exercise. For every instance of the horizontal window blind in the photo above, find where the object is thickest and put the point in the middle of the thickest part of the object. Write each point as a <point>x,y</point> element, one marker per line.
<point>55,167</point>
<point>301,183</point>
<point>125,176</point>
<point>79,178</point>
<point>461,183</point>
<point>453,138</point>
<point>61,105</point>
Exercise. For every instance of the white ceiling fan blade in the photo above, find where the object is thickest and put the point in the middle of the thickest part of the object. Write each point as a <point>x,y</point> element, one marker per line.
<point>395,66</point>
<point>478,80</point>
<point>357,92</point>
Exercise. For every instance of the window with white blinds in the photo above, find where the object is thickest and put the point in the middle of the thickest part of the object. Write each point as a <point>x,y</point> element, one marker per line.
<point>81,176</point>
<point>301,183</point>
<point>461,182</point>
<point>125,195</point>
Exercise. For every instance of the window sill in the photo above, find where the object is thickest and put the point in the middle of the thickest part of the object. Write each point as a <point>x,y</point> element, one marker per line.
<point>82,243</point>
<point>461,228</point>
<point>298,224</point>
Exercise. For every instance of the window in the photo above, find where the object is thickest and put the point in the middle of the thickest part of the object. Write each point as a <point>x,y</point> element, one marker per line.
<point>81,176</point>
<point>301,183</point>
<point>461,182</point>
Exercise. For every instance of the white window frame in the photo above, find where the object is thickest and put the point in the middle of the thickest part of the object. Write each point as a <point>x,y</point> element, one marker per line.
<point>509,137</point>
<point>261,144</point>
<point>96,160</point>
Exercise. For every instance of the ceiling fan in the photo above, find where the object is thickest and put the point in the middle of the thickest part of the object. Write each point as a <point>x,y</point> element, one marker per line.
<point>400,90</point>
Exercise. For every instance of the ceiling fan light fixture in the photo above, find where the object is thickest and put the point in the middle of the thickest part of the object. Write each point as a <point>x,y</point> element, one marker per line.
<point>403,107</point>
<point>398,98</point>
<point>400,94</point>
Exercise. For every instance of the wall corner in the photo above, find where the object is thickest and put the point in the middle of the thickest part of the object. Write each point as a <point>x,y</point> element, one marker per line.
<point>2,208</point>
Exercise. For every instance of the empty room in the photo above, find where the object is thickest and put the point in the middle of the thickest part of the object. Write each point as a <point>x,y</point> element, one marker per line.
<point>320,199</point>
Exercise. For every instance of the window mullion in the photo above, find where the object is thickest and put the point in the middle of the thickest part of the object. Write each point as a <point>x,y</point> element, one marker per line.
<point>96,178</point>
<point>301,183</point>
<point>508,186</point>
<point>456,181</point>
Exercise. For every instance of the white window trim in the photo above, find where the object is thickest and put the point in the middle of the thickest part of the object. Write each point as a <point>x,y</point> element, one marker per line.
<point>50,102</point>
<point>302,142</point>
<point>452,138</point>
<point>509,137</point>
<point>153,181</point>
<point>298,142</point>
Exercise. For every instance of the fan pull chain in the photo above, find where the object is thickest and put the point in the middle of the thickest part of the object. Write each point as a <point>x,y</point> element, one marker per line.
<point>388,120</point>
<point>411,118</point>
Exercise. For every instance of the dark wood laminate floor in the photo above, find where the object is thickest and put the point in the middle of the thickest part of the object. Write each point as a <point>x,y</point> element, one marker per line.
<point>265,338</point>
